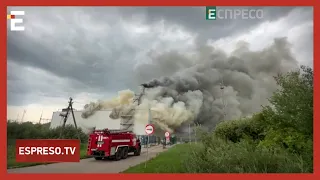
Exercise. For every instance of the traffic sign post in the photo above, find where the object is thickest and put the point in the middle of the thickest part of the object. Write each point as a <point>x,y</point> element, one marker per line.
<point>167,135</point>
<point>149,130</point>
<point>168,139</point>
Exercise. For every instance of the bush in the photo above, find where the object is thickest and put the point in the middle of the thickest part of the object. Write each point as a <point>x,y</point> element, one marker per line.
<point>220,156</point>
<point>236,130</point>
<point>28,130</point>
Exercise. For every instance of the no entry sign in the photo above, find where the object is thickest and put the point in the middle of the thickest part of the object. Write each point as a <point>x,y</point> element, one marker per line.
<point>149,129</point>
<point>167,134</point>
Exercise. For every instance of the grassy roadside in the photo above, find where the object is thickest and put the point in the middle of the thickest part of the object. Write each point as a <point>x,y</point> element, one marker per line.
<point>11,161</point>
<point>219,156</point>
<point>170,161</point>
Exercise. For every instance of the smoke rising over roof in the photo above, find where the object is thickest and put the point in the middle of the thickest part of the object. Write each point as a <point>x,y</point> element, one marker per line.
<point>207,87</point>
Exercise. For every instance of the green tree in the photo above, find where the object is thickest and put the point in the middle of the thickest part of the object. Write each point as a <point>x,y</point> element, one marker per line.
<point>289,119</point>
<point>292,104</point>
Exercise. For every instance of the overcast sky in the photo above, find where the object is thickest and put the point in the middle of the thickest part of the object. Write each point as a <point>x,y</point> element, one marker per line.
<point>90,53</point>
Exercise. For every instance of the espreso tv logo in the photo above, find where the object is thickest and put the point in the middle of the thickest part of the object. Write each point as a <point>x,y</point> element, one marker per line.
<point>14,20</point>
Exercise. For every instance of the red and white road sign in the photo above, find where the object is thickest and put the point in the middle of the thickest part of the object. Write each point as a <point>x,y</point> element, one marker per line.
<point>149,129</point>
<point>167,134</point>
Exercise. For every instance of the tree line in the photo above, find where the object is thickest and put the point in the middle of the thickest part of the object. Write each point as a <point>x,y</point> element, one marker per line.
<point>29,130</point>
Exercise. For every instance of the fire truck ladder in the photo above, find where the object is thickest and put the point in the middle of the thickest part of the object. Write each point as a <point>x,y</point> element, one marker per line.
<point>115,131</point>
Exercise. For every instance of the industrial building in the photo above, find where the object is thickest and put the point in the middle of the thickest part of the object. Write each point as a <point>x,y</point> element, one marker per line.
<point>99,120</point>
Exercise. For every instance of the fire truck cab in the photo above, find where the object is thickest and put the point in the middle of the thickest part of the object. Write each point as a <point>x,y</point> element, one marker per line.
<point>113,144</point>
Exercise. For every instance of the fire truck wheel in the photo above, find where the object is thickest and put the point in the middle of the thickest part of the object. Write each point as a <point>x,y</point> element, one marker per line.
<point>125,153</point>
<point>98,158</point>
<point>137,152</point>
<point>118,154</point>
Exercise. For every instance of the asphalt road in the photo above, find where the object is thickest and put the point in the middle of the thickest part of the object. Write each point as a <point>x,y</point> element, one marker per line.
<point>90,165</point>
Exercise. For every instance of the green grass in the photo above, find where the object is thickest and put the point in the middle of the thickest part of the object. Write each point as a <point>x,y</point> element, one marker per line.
<point>170,161</point>
<point>11,161</point>
<point>219,156</point>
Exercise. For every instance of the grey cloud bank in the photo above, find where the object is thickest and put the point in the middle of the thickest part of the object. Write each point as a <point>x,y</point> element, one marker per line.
<point>101,50</point>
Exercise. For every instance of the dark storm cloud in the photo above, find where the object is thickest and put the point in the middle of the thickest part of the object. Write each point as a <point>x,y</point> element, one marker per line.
<point>72,64</point>
<point>72,52</point>
<point>63,64</point>
<point>27,85</point>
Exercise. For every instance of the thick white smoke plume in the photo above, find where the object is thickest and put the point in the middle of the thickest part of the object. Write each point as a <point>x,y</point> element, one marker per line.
<point>125,98</point>
<point>208,87</point>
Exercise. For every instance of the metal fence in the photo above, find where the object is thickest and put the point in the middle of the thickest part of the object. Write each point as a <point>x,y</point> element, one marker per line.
<point>156,140</point>
<point>153,140</point>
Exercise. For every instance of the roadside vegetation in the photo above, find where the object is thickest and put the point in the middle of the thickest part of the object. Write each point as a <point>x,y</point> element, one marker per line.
<point>279,139</point>
<point>29,130</point>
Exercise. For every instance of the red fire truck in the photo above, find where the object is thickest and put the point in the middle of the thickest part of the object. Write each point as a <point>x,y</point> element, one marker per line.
<point>113,144</point>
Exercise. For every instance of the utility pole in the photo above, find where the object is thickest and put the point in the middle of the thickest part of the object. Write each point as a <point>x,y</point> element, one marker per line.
<point>195,132</point>
<point>195,135</point>
<point>65,117</point>
<point>24,112</point>
<point>222,98</point>
<point>189,134</point>
<point>71,108</point>
<point>149,121</point>
<point>17,120</point>
<point>41,119</point>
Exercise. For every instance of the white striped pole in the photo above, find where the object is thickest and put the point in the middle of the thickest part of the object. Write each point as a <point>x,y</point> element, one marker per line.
<point>149,121</point>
